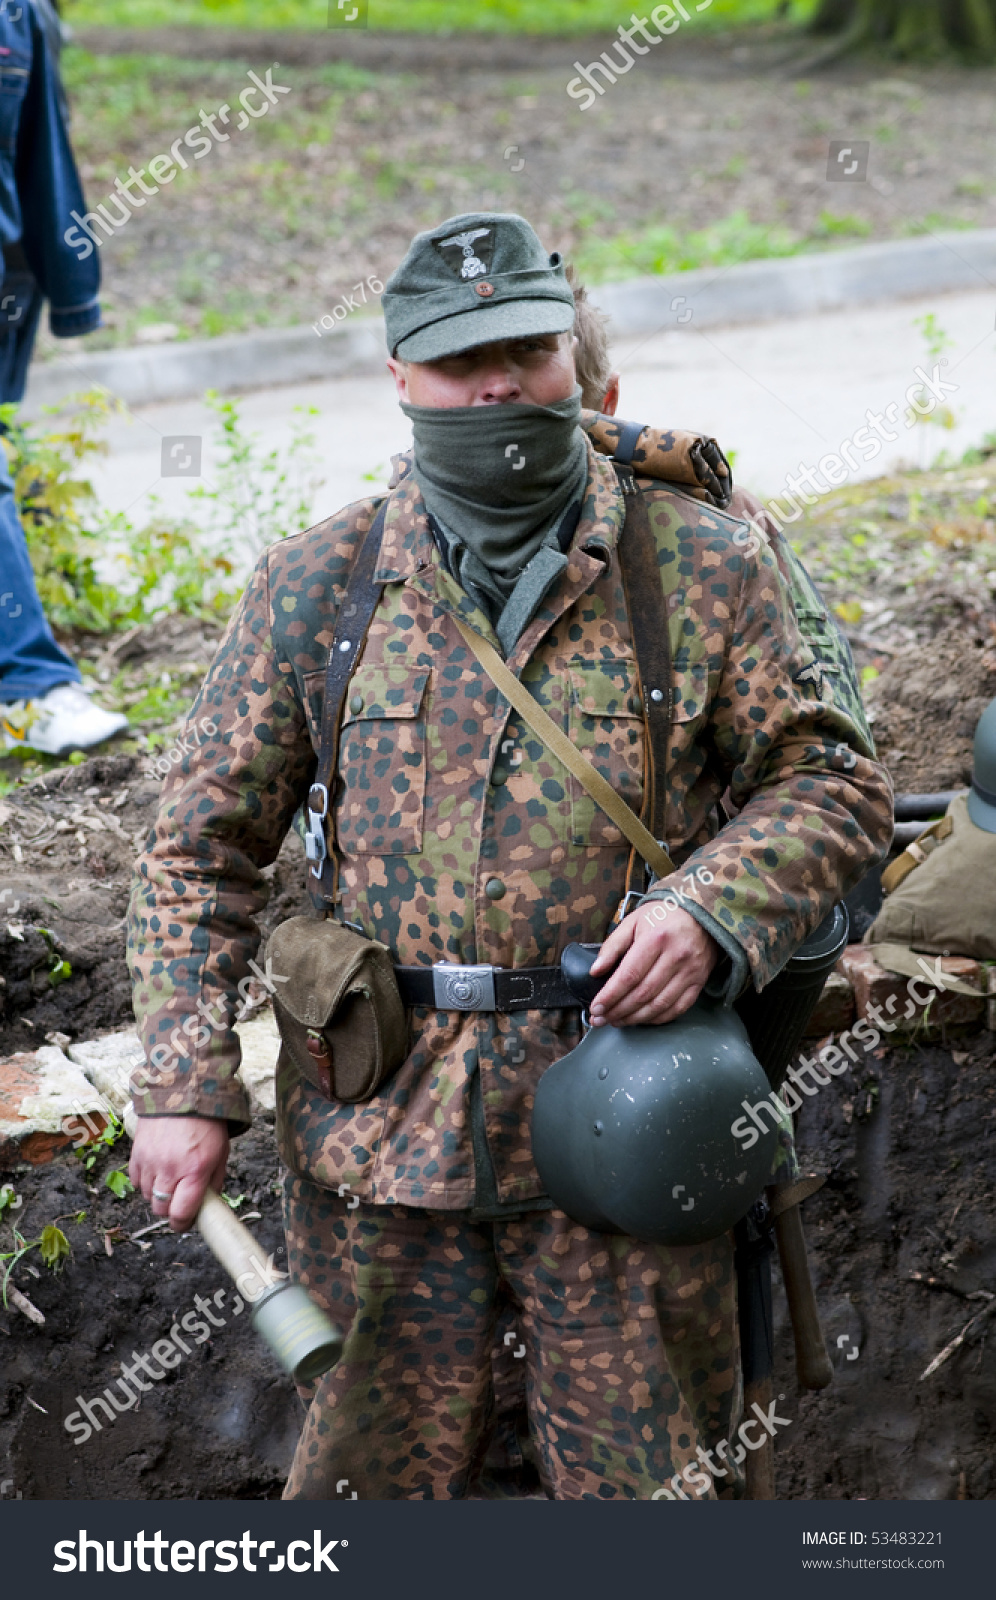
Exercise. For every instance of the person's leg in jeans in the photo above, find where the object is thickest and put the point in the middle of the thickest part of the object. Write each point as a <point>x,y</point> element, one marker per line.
<point>31,663</point>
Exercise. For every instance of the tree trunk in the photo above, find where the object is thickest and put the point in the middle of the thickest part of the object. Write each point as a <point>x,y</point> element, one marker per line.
<point>911,28</point>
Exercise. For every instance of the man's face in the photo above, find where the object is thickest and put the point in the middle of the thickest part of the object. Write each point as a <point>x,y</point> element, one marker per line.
<point>534,371</point>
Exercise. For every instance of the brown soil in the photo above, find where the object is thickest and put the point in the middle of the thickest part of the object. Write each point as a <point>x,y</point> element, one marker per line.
<point>926,705</point>
<point>907,1140</point>
<point>909,1143</point>
<point>221,1425</point>
<point>75,884</point>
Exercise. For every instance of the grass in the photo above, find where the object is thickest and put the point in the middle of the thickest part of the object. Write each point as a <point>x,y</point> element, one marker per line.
<point>498,16</point>
<point>661,249</point>
<point>892,540</point>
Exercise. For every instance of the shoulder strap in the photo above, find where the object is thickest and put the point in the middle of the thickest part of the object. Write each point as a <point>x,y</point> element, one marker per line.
<point>647,607</point>
<point>357,608</point>
<point>567,754</point>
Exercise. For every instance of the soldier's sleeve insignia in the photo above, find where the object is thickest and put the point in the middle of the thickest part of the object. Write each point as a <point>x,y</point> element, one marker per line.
<point>468,254</point>
<point>812,674</point>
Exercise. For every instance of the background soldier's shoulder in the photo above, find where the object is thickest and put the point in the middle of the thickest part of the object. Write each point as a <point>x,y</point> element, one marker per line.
<point>675,515</point>
<point>328,549</point>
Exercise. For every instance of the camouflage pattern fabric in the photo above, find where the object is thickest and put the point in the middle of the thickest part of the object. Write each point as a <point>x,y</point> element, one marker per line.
<point>461,839</point>
<point>817,625</point>
<point>629,1352</point>
<point>666,454</point>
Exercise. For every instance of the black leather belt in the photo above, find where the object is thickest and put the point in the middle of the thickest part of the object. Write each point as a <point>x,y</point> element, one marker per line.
<point>482,988</point>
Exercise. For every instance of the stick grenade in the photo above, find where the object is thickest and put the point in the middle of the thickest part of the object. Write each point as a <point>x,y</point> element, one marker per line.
<point>812,1364</point>
<point>297,1330</point>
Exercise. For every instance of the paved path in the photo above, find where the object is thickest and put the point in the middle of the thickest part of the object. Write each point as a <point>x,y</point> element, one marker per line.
<point>779,395</point>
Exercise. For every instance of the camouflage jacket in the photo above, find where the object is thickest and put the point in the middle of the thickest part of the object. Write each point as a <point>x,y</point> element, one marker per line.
<point>461,839</point>
<point>660,452</point>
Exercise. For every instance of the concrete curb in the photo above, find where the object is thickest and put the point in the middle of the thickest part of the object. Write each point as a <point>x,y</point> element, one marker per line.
<point>709,297</point>
<point>800,286</point>
<point>261,360</point>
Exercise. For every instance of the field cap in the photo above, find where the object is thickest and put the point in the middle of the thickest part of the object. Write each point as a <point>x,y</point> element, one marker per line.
<point>471,280</point>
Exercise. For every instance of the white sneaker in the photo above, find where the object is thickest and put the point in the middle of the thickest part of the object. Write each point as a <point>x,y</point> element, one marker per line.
<point>64,719</point>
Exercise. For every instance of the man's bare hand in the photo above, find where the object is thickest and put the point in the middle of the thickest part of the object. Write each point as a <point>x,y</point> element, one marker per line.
<point>181,1157</point>
<point>662,968</point>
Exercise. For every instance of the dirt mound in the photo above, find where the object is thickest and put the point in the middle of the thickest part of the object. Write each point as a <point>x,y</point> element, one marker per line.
<point>926,704</point>
<point>222,1424</point>
<point>67,845</point>
<point>902,1243</point>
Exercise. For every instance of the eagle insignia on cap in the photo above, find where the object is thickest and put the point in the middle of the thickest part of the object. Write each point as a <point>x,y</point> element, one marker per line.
<point>468,264</point>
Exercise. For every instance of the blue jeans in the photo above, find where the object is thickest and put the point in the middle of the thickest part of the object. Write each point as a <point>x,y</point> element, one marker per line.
<point>31,662</point>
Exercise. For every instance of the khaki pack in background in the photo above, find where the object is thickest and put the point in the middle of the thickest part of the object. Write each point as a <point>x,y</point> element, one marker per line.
<point>337,1006</point>
<point>941,893</point>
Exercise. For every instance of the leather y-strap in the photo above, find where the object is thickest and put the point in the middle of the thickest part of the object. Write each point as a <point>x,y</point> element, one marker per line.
<point>648,620</point>
<point>358,605</point>
<point>556,741</point>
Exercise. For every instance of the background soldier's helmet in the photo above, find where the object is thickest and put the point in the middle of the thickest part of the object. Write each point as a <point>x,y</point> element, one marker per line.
<point>982,795</point>
<point>633,1130</point>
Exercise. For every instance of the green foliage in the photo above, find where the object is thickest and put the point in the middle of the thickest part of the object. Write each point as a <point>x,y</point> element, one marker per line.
<point>57,508</point>
<point>59,969</point>
<point>659,248</point>
<point>831,226</point>
<point>937,341</point>
<point>53,1247</point>
<point>259,494</point>
<point>119,1182</point>
<point>51,1244</point>
<point>8,1198</point>
<point>498,16</point>
<point>90,1153</point>
<point>98,571</point>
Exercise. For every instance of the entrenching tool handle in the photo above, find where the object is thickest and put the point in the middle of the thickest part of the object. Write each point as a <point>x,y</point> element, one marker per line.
<point>759,1470</point>
<point>812,1364</point>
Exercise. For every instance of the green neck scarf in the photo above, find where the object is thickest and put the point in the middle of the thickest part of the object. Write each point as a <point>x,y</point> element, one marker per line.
<point>498,479</point>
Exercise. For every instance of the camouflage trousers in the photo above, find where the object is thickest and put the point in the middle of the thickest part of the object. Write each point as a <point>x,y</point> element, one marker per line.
<point>630,1351</point>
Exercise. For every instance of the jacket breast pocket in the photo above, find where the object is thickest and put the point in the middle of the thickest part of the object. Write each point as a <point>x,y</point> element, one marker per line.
<point>382,760</point>
<point>606,726</point>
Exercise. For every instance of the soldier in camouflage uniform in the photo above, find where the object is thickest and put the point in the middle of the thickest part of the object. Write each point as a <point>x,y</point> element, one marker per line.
<point>459,838</point>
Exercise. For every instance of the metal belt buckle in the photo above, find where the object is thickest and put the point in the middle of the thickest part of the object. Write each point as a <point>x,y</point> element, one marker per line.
<point>463,988</point>
<point>314,839</point>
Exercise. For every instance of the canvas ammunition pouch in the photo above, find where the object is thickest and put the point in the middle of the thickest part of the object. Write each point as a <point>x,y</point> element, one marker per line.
<point>337,991</point>
<point>939,892</point>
